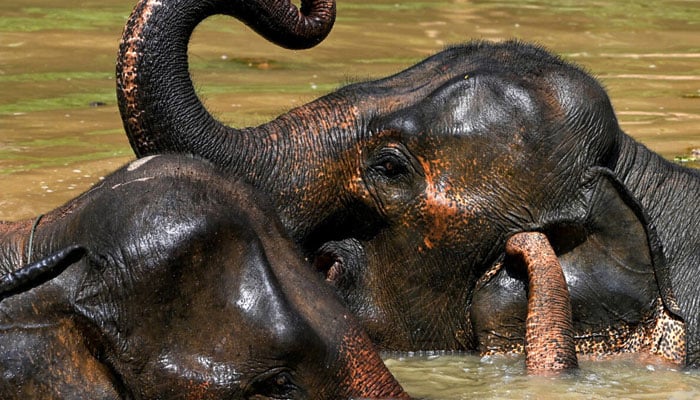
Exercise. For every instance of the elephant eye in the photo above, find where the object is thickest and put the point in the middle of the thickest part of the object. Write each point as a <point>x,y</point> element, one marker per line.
<point>391,163</point>
<point>277,383</point>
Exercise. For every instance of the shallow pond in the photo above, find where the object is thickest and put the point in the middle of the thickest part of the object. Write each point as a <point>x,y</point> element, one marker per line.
<point>503,377</point>
<point>60,129</point>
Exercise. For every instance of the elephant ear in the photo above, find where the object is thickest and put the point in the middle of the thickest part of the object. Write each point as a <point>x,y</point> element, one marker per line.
<point>611,256</point>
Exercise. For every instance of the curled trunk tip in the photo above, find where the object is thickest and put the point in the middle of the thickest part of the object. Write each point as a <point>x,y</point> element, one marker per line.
<point>295,28</point>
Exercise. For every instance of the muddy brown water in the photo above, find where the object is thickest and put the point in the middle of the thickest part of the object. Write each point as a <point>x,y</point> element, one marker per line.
<point>60,130</point>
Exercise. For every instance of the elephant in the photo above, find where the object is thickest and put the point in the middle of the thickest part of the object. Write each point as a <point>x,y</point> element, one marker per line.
<point>404,191</point>
<point>166,280</point>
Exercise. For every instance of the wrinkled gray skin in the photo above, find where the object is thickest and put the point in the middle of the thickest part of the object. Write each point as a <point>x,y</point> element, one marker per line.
<point>183,287</point>
<point>407,188</point>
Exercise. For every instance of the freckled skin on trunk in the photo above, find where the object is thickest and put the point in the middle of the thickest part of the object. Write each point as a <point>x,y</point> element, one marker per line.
<point>277,20</point>
<point>362,362</point>
<point>549,331</point>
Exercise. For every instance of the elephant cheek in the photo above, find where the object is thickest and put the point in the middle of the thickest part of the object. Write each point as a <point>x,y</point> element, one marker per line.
<point>363,373</point>
<point>446,212</point>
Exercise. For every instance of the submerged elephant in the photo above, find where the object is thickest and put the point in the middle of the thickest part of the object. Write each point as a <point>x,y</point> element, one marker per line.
<point>406,189</point>
<point>182,286</point>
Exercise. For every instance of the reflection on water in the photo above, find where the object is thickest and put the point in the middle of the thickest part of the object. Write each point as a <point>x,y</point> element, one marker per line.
<point>60,130</point>
<point>503,377</point>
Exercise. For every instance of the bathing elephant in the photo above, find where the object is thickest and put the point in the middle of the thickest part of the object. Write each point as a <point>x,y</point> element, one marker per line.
<point>167,281</point>
<point>405,190</point>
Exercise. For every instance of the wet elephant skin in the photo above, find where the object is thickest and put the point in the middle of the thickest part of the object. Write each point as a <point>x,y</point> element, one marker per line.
<point>167,281</point>
<point>407,188</point>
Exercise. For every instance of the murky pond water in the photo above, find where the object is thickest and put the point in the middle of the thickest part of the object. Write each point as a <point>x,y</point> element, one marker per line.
<point>60,129</point>
<point>503,377</point>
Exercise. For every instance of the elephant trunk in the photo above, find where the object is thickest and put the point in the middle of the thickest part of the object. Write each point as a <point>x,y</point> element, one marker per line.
<point>549,332</point>
<point>300,158</point>
<point>159,107</point>
<point>364,374</point>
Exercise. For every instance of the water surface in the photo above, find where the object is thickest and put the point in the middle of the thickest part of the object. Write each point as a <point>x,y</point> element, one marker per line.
<point>503,377</point>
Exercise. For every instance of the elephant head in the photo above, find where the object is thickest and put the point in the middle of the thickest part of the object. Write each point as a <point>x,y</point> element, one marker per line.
<point>406,189</point>
<point>183,287</point>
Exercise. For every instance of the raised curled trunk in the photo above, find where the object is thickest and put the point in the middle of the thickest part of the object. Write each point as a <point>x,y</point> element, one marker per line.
<point>549,332</point>
<point>162,113</point>
<point>152,64</point>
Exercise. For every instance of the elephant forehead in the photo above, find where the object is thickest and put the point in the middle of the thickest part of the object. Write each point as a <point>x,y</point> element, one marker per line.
<point>476,105</point>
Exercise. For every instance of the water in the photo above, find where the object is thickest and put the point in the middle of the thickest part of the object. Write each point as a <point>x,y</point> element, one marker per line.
<point>503,377</point>
<point>60,129</point>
